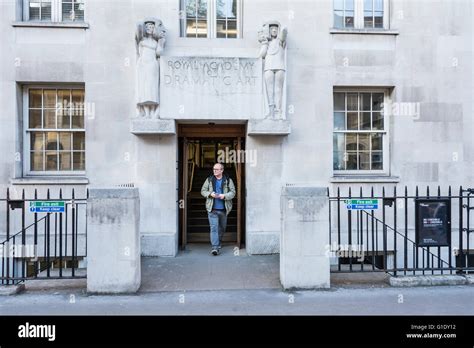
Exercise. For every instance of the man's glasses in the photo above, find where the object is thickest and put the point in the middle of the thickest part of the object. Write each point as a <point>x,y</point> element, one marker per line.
<point>216,169</point>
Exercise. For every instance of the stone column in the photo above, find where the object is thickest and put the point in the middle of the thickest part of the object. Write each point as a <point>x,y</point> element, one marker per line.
<point>304,237</point>
<point>113,240</point>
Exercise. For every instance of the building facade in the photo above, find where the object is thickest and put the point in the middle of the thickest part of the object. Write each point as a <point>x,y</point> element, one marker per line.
<point>375,93</point>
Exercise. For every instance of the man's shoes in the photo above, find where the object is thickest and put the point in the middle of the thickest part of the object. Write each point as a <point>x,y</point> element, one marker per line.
<point>215,252</point>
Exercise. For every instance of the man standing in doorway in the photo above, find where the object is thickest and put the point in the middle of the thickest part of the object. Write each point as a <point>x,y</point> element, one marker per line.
<point>218,189</point>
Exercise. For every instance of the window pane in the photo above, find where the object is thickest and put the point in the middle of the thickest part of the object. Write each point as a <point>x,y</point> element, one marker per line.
<point>368,20</point>
<point>34,10</point>
<point>377,160</point>
<point>65,161</point>
<point>378,5</point>
<point>352,102</point>
<point>79,161</point>
<point>49,118</point>
<point>201,29</point>
<point>365,101</point>
<point>338,142</point>
<point>377,142</point>
<point>351,142</point>
<point>191,28</point>
<point>64,98</point>
<point>68,13</point>
<point>349,23</point>
<point>377,120</point>
<point>51,141</point>
<point>339,121</point>
<point>338,19</point>
<point>350,5</point>
<point>190,6</point>
<point>365,121</point>
<point>202,8</point>
<point>364,160</point>
<point>35,119</point>
<point>377,101</point>
<point>78,141</point>
<point>64,118</point>
<point>339,5</point>
<point>221,29</point>
<point>352,121</point>
<point>79,10</point>
<point>37,141</point>
<point>338,160</point>
<point>49,96</point>
<point>351,161</point>
<point>64,141</point>
<point>364,142</point>
<point>231,29</point>
<point>77,98</point>
<point>78,122</point>
<point>51,160</point>
<point>226,8</point>
<point>36,161</point>
<point>378,23</point>
<point>368,6</point>
<point>35,98</point>
<point>45,10</point>
<point>339,102</point>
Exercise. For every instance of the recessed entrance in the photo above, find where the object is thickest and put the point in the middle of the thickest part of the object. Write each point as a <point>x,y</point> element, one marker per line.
<point>199,148</point>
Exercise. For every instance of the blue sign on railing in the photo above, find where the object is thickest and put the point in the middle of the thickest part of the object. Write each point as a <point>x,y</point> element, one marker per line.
<point>47,207</point>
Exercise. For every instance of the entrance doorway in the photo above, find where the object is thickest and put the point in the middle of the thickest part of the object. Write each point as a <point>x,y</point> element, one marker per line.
<point>200,147</point>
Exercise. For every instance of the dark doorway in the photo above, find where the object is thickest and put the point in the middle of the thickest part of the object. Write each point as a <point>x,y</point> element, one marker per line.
<point>200,147</point>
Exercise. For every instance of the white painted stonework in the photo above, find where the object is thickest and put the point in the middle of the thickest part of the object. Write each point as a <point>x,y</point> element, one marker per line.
<point>206,87</point>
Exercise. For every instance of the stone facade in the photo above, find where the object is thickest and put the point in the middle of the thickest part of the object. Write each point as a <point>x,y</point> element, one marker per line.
<point>425,57</point>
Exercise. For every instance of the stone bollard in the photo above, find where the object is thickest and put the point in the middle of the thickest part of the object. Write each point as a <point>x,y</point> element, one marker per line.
<point>304,262</point>
<point>113,240</point>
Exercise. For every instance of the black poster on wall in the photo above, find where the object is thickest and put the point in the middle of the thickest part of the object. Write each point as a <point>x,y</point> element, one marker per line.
<point>433,222</point>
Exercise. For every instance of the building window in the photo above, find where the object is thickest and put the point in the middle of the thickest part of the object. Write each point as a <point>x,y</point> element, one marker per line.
<point>344,13</point>
<point>360,132</point>
<point>54,130</point>
<point>53,10</point>
<point>211,18</point>
<point>361,14</point>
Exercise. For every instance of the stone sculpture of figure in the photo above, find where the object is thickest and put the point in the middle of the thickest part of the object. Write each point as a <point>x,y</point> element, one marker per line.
<point>273,41</point>
<point>150,42</point>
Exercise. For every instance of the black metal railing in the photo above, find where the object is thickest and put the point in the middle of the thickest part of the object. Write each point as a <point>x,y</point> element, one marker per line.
<point>382,238</point>
<point>46,242</point>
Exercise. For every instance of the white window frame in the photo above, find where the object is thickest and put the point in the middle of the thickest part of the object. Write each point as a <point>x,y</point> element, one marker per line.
<point>27,139</point>
<point>359,16</point>
<point>386,134</point>
<point>211,21</point>
<point>56,12</point>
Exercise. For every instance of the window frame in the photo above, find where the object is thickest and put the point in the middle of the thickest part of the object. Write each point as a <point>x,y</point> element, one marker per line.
<point>359,17</point>
<point>211,21</point>
<point>386,133</point>
<point>56,13</point>
<point>26,131</point>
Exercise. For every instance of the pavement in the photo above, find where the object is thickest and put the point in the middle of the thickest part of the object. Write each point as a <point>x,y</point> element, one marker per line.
<point>235,283</point>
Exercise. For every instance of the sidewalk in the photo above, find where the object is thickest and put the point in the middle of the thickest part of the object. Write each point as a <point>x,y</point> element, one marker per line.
<point>197,283</point>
